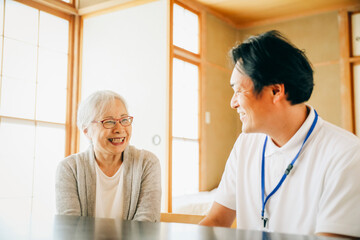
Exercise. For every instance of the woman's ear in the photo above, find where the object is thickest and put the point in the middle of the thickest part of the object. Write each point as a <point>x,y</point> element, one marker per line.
<point>278,91</point>
<point>86,132</point>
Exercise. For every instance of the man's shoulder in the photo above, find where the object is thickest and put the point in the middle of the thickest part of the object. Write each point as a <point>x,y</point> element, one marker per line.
<point>336,139</point>
<point>337,134</point>
<point>248,143</point>
<point>248,138</point>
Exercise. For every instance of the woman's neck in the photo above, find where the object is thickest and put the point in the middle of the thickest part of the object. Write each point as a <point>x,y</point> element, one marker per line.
<point>109,164</point>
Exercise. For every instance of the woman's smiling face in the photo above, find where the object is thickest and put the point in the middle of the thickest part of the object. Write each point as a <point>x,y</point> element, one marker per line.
<point>110,142</point>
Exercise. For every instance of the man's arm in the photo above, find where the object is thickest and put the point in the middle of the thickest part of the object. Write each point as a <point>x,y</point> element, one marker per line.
<point>220,216</point>
<point>335,235</point>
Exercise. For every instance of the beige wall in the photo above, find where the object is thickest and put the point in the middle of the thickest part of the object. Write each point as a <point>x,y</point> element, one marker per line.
<point>220,135</point>
<point>318,35</point>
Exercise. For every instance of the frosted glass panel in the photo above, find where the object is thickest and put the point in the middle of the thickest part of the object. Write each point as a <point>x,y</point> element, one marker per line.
<point>17,144</point>
<point>17,98</point>
<point>21,22</point>
<point>51,89</point>
<point>15,212</point>
<point>185,99</point>
<point>355,22</point>
<point>185,167</point>
<point>54,32</point>
<point>1,17</point>
<point>52,68</point>
<point>19,60</point>
<point>51,104</point>
<point>357,97</point>
<point>186,29</point>
<point>48,154</point>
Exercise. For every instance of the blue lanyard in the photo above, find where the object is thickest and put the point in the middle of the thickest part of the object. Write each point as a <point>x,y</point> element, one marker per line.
<point>287,171</point>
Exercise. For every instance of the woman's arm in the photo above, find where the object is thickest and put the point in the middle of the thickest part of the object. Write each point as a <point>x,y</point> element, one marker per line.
<point>149,202</point>
<point>67,198</point>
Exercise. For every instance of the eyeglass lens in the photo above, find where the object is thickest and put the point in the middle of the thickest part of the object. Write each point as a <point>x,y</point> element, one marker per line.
<point>111,123</point>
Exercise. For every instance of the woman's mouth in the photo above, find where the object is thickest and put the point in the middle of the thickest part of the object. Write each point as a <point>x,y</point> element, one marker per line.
<point>116,140</point>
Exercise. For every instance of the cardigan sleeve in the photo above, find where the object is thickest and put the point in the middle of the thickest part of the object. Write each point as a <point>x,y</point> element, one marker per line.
<point>67,198</point>
<point>149,202</point>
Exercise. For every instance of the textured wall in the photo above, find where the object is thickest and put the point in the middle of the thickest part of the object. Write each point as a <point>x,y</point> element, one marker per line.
<point>220,135</point>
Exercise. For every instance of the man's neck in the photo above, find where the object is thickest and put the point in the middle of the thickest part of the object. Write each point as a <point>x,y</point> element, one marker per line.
<point>288,123</point>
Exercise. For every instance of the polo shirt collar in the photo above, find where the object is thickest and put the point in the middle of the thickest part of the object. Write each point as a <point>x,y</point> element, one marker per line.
<point>295,142</point>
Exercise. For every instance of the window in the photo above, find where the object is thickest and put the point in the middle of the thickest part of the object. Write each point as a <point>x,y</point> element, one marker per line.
<point>33,94</point>
<point>186,29</point>
<point>185,106</point>
<point>185,143</point>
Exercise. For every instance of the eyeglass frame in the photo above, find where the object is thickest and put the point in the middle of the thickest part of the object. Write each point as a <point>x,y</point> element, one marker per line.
<point>115,120</point>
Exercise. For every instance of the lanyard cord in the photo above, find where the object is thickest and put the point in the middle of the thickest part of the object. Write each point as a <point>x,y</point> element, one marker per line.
<point>287,171</point>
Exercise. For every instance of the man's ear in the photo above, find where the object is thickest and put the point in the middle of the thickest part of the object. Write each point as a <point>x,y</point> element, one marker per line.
<point>278,91</point>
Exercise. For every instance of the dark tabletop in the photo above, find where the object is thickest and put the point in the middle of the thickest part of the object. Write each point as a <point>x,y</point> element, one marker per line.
<point>71,227</point>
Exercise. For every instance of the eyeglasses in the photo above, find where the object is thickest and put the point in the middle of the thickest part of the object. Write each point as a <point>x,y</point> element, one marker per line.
<point>111,123</point>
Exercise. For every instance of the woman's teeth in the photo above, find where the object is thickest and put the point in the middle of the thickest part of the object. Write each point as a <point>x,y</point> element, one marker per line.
<point>116,140</point>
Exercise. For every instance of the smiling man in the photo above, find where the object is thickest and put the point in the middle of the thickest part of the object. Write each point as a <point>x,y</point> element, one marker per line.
<point>290,171</point>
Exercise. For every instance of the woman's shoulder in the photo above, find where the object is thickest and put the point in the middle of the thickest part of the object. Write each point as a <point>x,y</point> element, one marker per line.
<point>75,159</point>
<point>142,155</point>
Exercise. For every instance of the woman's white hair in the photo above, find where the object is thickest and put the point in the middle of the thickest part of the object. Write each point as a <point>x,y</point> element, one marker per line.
<point>94,106</point>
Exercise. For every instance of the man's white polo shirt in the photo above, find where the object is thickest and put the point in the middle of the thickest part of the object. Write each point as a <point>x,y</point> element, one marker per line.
<point>321,194</point>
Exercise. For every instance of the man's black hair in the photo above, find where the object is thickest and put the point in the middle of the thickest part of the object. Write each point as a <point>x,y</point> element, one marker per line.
<point>269,59</point>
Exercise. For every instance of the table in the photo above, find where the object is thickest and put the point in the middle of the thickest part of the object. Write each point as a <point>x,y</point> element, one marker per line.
<point>72,227</point>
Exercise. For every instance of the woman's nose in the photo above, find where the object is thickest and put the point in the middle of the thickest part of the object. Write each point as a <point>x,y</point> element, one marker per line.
<point>118,127</point>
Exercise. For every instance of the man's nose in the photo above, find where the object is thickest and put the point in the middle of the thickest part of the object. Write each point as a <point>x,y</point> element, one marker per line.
<point>234,103</point>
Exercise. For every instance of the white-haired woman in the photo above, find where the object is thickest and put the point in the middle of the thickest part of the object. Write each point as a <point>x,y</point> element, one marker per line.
<point>110,179</point>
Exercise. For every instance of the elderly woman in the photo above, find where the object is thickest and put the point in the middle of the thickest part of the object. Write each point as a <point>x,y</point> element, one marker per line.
<point>110,179</point>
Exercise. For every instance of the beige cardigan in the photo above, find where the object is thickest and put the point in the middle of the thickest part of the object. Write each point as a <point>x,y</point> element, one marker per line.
<point>76,185</point>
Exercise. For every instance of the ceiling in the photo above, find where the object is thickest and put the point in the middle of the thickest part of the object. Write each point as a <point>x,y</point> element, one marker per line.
<point>250,12</point>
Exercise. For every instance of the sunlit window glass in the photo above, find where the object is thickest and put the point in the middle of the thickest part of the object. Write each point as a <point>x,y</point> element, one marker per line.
<point>54,32</point>
<point>17,101</point>
<point>33,98</point>
<point>51,86</point>
<point>186,29</point>
<point>45,167</point>
<point>185,144</point>
<point>185,156</point>
<point>17,148</point>
<point>185,99</point>
<point>21,22</point>
<point>1,17</point>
